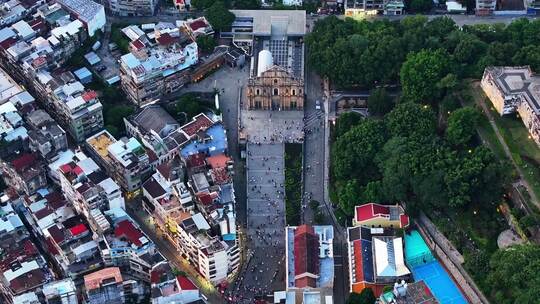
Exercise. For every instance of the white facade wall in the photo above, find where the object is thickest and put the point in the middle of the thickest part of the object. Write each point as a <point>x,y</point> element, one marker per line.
<point>97,23</point>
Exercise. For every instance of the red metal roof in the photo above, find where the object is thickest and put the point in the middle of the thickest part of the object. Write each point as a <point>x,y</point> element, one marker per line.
<point>77,170</point>
<point>89,95</point>
<point>57,235</point>
<point>81,228</point>
<point>29,280</point>
<point>404,219</point>
<point>195,160</point>
<point>185,283</point>
<point>371,210</point>
<point>126,229</point>
<point>200,121</point>
<point>166,39</point>
<point>6,44</point>
<point>306,252</point>
<point>23,161</point>
<point>43,213</point>
<point>65,168</point>
<point>50,245</point>
<point>137,44</point>
<point>197,24</point>
<point>358,270</point>
<point>205,198</point>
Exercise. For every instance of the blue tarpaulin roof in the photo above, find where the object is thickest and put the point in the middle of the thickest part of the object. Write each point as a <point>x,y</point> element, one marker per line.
<point>82,73</point>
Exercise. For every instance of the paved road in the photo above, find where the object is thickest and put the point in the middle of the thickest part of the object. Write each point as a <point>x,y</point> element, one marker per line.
<point>164,246</point>
<point>314,144</point>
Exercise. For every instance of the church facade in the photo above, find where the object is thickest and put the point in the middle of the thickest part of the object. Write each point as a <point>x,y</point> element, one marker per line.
<point>275,89</point>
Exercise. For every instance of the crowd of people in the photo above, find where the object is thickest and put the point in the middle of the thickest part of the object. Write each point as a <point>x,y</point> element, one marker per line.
<point>262,269</point>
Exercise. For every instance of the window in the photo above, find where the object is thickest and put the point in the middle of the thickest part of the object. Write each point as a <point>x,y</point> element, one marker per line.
<point>275,81</point>
<point>294,92</point>
<point>276,92</point>
<point>258,92</point>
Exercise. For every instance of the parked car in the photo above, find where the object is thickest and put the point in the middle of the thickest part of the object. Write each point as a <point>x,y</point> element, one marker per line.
<point>317,105</point>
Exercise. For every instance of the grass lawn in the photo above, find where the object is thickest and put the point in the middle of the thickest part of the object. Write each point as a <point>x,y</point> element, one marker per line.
<point>524,150</point>
<point>488,134</point>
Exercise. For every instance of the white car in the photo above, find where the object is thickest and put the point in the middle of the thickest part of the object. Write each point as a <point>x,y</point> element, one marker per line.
<point>317,105</point>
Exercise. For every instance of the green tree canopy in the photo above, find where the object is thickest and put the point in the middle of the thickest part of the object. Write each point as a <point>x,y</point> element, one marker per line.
<point>420,74</point>
<point>201,4</point>
<point>462,125</point>
<point>206,43</point>
<point>354,151</point>
<point>379,102</point>
<point>419,6</point>
<point>345,122</point>
<point>475,177</point>
<point>247,4</point>
<point>219,16</point>
<point>349,196</point>
<point>364,297</point>
<point>411,119</point>
<point>513,274</point>
<point>528,55</point>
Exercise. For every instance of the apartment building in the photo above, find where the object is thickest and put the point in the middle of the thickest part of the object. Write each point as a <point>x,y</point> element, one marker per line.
<point>198,217</point>
<point>32,61</point>
<point>109,286</point>
<point>197,27</point>
<point>11,12</point>
<point>125,246</point>
<point>130,8</point>
<point>13,131</point>
<point>170,288</point>
<point>125,160</point>
<point>77,108</point>
<point>63,232</point>
<point>60,292</point>
<point>45,136</point>
<point>214,256</point>
<point>150,71</point>
<point>24,172</point>
<point>22,268</point>
<point>515,90</point>
<point>90,191</point>
<point>57,292</point>
<point>90,13</point>
<point>158,131</point>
